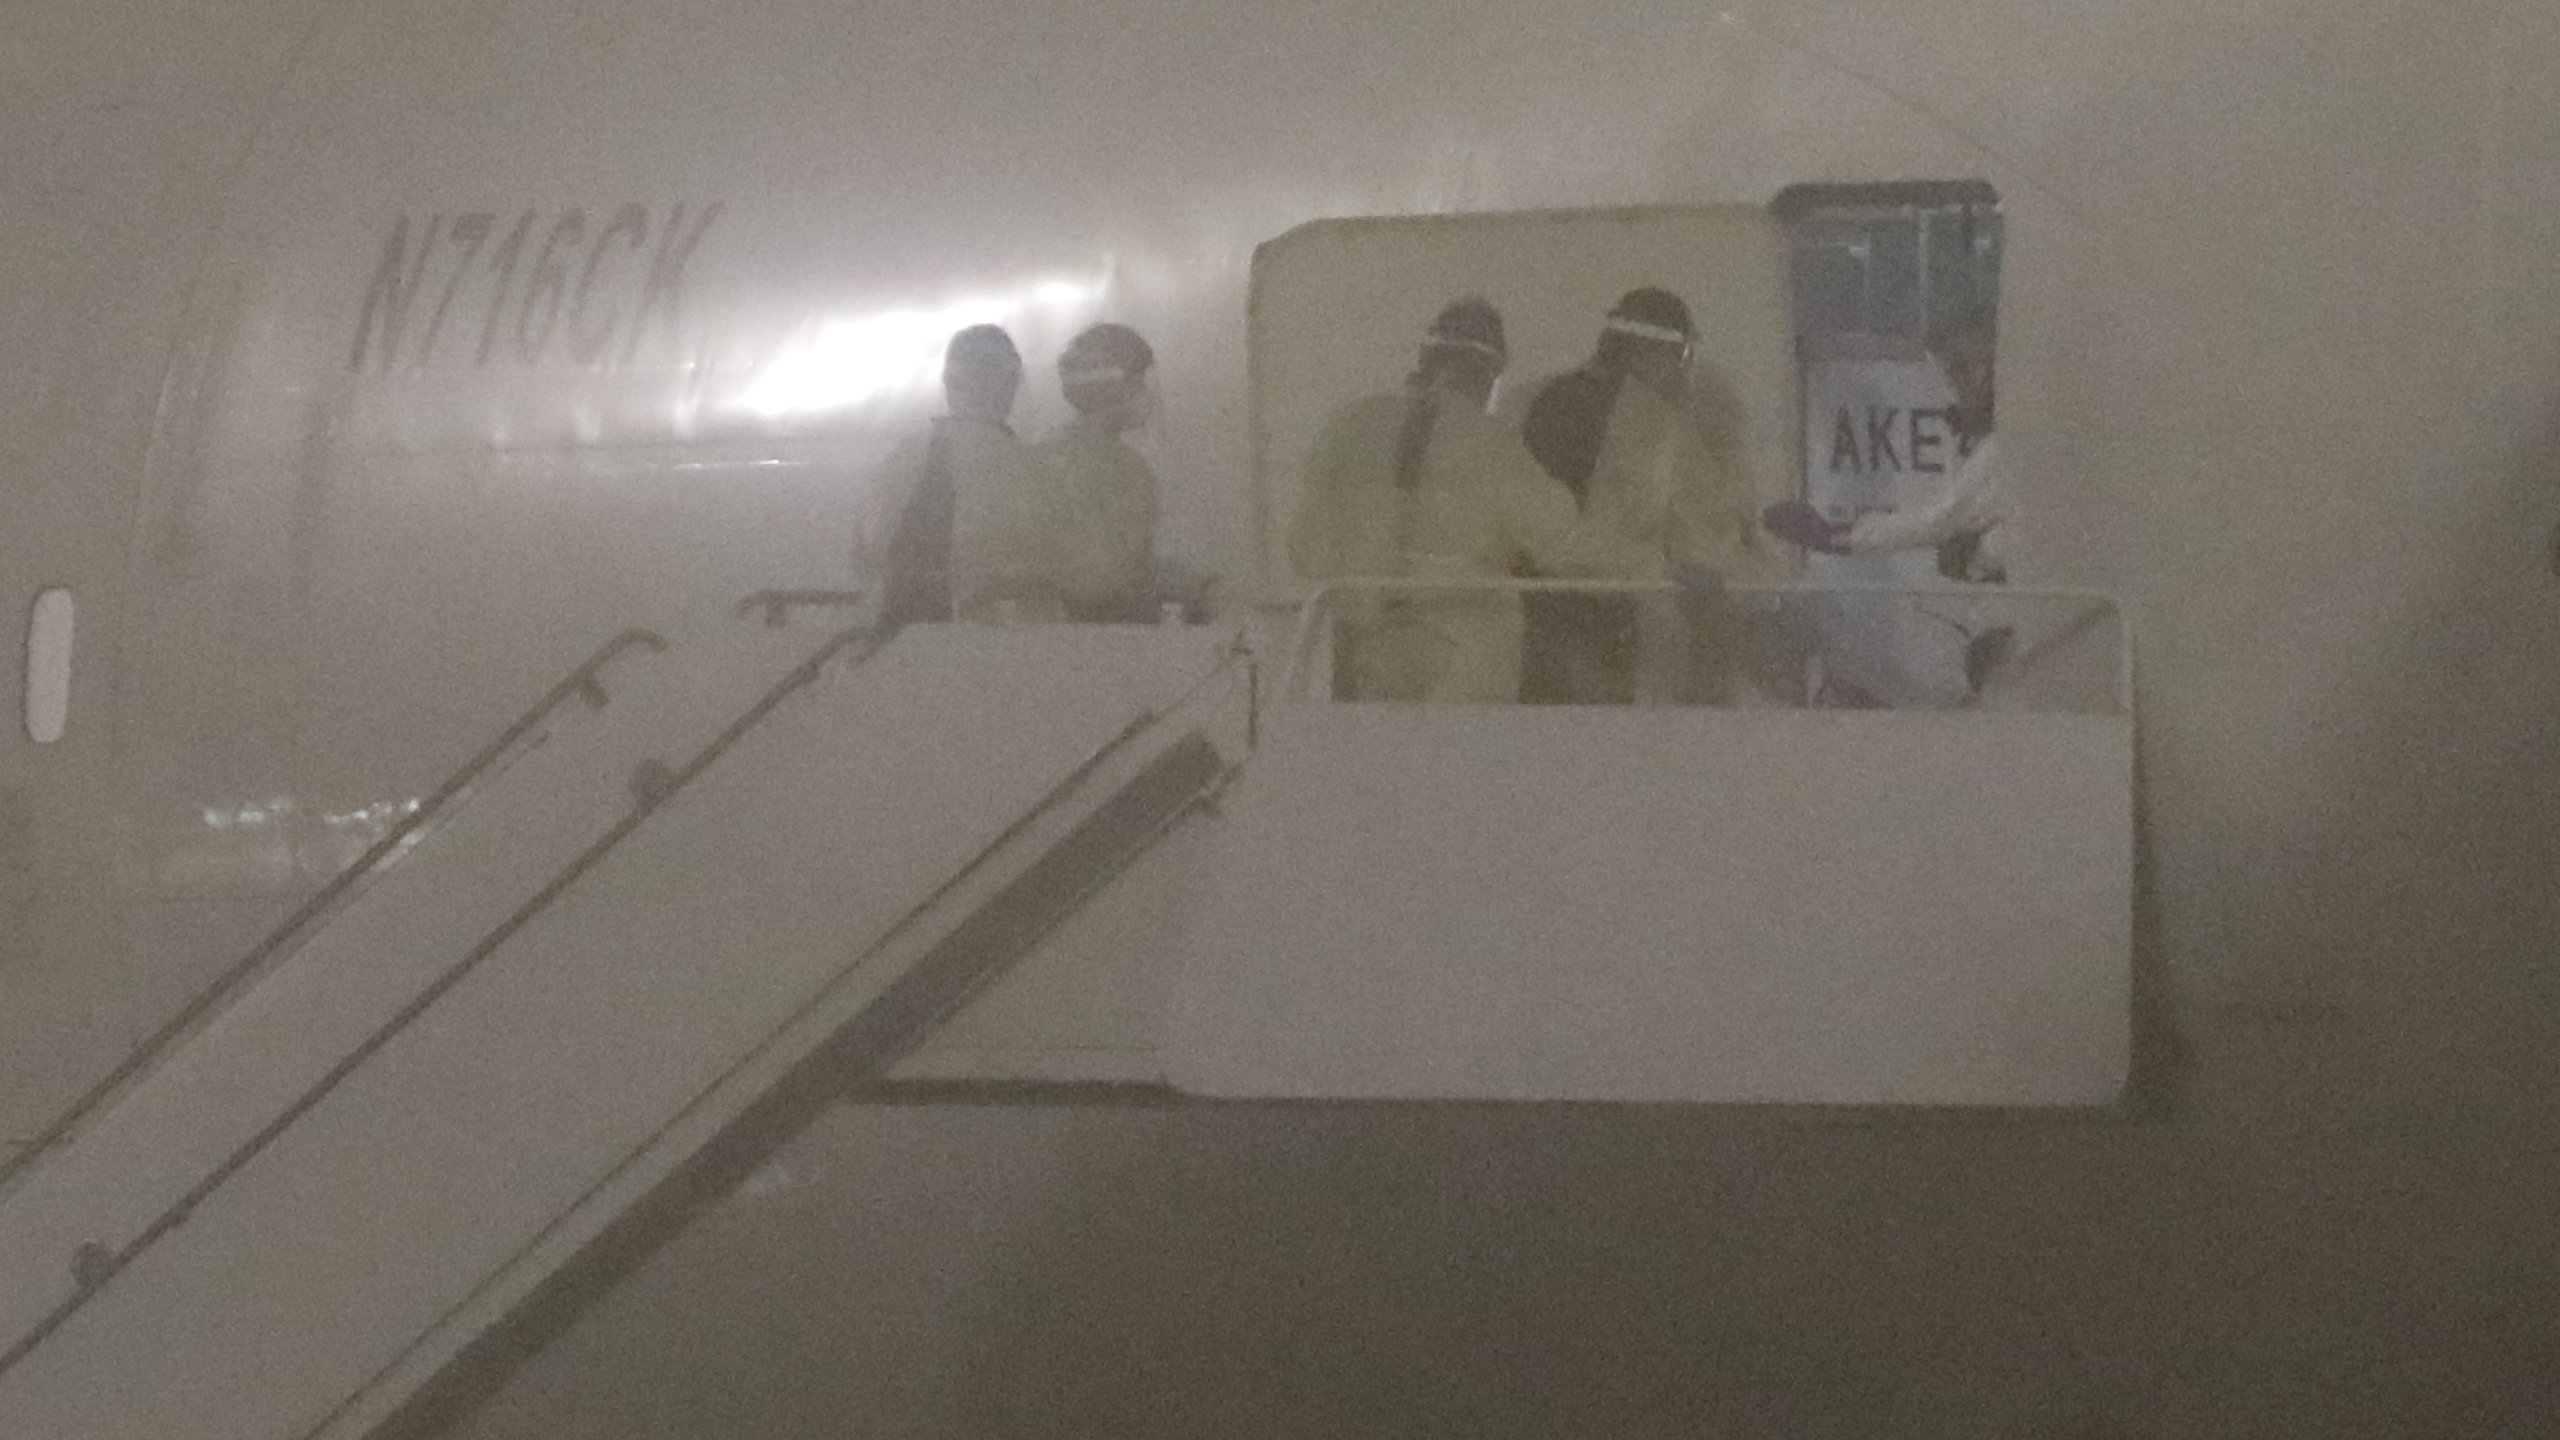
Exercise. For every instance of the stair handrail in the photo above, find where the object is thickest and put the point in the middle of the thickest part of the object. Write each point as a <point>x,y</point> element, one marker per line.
<point>95,1264</point>
<point>585,683</point>
<point>602,1255</point>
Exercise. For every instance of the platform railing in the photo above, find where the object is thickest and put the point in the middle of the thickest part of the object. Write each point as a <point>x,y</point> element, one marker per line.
<point>2001,648</point>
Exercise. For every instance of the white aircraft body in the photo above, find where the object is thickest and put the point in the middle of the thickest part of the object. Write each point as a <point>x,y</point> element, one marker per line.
<point>370,366</point>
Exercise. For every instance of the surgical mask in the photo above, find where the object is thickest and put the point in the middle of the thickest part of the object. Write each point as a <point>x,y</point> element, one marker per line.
<point>1144,407</point>
<point>1493,396</point>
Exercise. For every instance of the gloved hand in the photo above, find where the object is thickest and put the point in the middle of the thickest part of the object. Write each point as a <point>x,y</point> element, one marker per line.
<point>1986,653</point>
<point>1703,597</point>
<point>1698,579</point>
<point>1800,524</point>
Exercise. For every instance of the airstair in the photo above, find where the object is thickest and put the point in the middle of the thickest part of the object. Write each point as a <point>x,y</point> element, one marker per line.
<point>612,952</point>
<point>701,892</point>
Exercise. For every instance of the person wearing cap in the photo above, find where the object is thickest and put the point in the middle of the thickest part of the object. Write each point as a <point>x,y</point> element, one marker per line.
<point>1963,523</point>
<point>1650,449</point>
<point>967,544</point>
<point>1100,493</point>
<point>1421,483</point>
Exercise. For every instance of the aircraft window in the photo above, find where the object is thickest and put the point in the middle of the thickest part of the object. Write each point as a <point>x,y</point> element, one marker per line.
<point>1897,285</point>
<point>48,672</point>
<point>1902,262</point>
<point>1830,275</point>
<point>1962,266</point>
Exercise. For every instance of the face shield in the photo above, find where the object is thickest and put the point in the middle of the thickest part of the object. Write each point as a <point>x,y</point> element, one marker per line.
<point>1679,342</point>
<point>1109,390</point>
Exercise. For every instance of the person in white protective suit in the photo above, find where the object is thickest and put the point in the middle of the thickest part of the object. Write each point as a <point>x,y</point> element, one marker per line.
<point>968,543</point>
<point>1650,446</point>
<point>1965,525</point>
<point>1098,494</point>
<point>1422,483</point>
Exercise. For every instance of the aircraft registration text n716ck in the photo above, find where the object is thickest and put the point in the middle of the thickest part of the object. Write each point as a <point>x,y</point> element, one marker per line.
<point>571,286</point>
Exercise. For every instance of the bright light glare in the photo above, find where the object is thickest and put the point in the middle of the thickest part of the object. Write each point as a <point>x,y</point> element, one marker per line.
<point>252,816</point>
<point>851,362</point>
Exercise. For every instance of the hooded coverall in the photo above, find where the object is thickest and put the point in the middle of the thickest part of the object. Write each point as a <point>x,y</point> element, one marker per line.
<point>969,541</point>
<point>1664,474</point>
<point>1477,507</point>
<point>1098,502</point>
